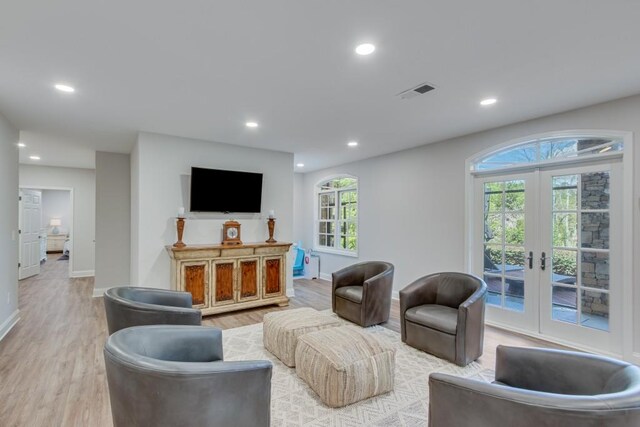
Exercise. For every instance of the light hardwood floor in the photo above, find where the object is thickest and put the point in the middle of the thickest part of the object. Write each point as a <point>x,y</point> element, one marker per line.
<point>51,363</point>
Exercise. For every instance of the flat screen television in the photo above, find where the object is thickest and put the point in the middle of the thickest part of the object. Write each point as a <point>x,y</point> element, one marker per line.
<point>214,190</point>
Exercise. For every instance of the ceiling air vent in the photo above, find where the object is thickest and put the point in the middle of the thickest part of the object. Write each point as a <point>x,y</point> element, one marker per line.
<point>418,90</point>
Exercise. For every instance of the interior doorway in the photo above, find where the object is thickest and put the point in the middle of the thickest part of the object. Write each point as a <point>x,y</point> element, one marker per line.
<point>46,229</point>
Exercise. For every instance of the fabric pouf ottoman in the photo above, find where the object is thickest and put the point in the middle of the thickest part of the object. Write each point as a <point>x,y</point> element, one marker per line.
<point>345,365</point>
<point>282,329</point>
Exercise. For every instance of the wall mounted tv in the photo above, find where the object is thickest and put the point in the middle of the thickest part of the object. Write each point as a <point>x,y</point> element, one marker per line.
<point>214,190</point>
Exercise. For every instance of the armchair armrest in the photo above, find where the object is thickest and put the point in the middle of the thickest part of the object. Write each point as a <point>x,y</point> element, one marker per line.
<point>487,405</point>
<point>378,285</point>
<point>554,371</point>
<point>470,327</point>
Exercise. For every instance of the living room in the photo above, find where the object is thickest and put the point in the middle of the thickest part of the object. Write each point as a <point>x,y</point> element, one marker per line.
<point>494,140</point>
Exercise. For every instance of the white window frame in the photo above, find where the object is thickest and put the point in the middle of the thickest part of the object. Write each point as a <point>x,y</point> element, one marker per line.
<point>337,220</point>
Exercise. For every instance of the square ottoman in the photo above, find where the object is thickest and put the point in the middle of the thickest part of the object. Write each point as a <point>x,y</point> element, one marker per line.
<point>345,365</point>
<point>282,328</point>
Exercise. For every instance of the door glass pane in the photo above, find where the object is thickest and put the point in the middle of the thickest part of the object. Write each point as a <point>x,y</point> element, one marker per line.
<point>494,289</point>
<point>493,196</point>
<point>504,252</point>
<point>514,278</point>
<point>514,228</point>
<point>594,190</point>
<point>565,199</point>
<point>493,259</point>
<point>493,228</point>
<point>595,310</point>
<point>564,267</point>
<point>595,230</point>
<point>564,304</point>
<point>565,230</point>
<point>595,269</point>
<point>514,195</point>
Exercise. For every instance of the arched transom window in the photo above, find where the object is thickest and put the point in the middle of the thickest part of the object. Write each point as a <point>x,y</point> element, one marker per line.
<point>548,150</point>
<point>337,215</point>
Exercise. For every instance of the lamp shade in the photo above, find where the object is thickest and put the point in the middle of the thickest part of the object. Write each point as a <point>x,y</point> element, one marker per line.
<point>55,222</point>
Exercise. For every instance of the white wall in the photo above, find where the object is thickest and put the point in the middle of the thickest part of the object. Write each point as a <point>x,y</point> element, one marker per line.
<point>161,168</point>
<point>56,204</point>
<point>8,226</point>
<point>412,203</point>
<point>83,183</point>
<point>113,221</point>
<point>298,207</point>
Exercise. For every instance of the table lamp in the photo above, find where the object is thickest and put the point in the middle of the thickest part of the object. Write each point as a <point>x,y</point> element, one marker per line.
<point>55,223</point>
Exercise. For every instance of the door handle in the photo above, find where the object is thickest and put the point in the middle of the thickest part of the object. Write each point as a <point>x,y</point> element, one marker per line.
<point>543,261</point>
<point>530,259</point>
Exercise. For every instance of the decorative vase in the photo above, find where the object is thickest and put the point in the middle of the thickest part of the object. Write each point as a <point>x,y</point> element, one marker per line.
<point>180,227</point>
<point>271,223</point>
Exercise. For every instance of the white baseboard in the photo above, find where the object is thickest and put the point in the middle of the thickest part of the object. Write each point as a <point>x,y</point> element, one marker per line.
<point>395,295</point>
<point>635,358</point>
<point>325,276</point>
<point>553,340</point>
<point>82,273</point>
<point>291,293</point>
<point>98,292</point>
<point>8,324</point>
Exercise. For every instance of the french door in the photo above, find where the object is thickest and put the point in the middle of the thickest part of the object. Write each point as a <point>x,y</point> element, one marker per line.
<point>548,247</point>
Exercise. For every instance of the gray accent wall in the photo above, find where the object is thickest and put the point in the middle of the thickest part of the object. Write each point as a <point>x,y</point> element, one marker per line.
<point>113,221</point>
<point>8,225</point>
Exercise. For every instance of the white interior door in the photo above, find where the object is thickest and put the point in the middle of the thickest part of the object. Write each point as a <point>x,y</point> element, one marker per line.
<point>30,224</point>
<point>580,259</point>
<point>506,242</point>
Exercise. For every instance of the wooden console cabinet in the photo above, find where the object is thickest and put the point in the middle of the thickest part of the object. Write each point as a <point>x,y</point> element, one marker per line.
<point>225,278</point>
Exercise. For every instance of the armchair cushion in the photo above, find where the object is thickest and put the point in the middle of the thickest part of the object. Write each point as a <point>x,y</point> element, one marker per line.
<point>352,293</point>
<point>439,317</point>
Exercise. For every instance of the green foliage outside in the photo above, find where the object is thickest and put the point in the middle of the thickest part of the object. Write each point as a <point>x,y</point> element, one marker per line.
<point>504,223</point>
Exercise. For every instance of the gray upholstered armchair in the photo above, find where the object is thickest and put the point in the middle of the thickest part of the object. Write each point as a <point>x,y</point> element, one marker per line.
<point>133,306</point>
<point>362,292</point>
<point>169,375</point>
<point>443,314</point>
<point>540,387</point>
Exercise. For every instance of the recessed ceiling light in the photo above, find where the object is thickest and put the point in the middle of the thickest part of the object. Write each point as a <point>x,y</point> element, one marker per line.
<point>34,157</point>
<point>352,143</point>
<point>488,101</point>
<point>365,49</point>
<point>21,144</point>
<point>251,124</point>
<point>65,88</point>
<point>300,165</point>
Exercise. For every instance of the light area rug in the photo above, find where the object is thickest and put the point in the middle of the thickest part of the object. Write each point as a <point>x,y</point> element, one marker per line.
<point>293,403</point>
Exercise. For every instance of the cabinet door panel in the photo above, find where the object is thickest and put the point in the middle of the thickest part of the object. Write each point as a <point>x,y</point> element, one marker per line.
<point>273,276</point>
<point>248,279</point>
<point>223,282</point>
<point>195,276</point>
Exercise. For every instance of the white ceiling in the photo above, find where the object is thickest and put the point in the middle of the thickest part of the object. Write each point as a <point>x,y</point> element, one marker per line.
<point>202,68</point>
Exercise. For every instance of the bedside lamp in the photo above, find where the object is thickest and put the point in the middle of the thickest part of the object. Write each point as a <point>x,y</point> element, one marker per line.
<point>55,223</point>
